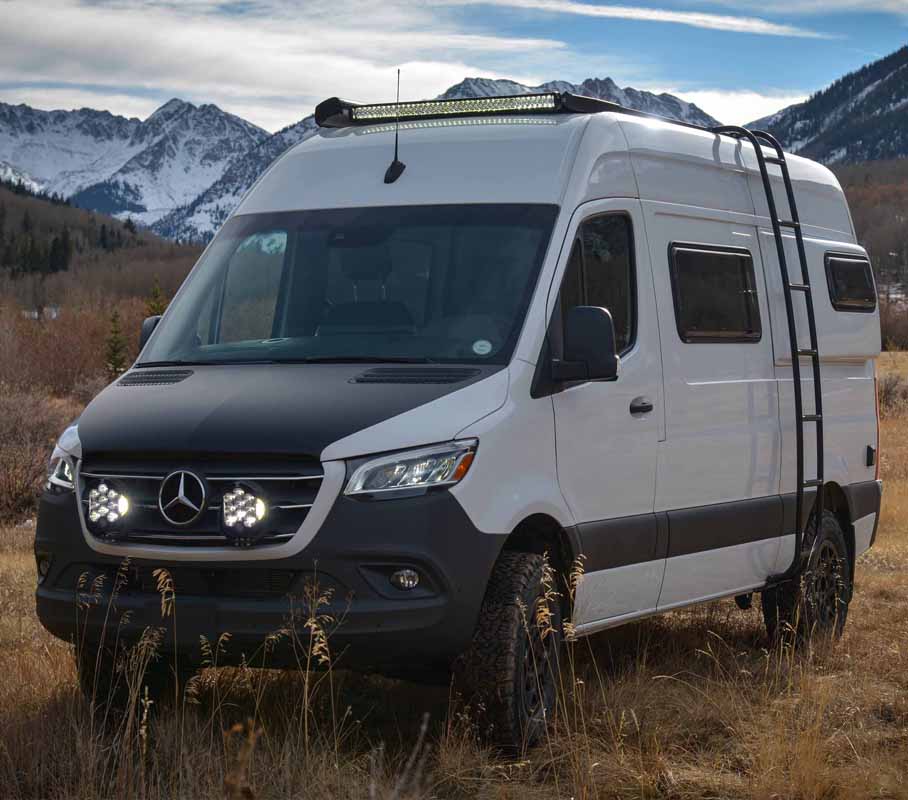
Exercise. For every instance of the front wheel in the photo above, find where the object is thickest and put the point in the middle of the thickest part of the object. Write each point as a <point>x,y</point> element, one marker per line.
<point>815,605</point>
<point>511,668</point>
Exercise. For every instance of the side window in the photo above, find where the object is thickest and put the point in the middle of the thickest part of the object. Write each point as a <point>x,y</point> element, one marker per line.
<point>850,283</point>
<point>601,273</point>
<point>715,294</point>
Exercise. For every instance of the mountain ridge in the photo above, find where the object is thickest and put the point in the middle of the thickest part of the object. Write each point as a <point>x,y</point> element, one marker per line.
<point>123,165</point>
<point>862,116</point>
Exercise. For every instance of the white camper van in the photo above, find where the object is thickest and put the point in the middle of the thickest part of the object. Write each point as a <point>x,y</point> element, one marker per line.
<point>551,327</point>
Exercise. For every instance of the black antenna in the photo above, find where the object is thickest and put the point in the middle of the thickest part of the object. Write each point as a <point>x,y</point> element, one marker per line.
<point>396,169</point>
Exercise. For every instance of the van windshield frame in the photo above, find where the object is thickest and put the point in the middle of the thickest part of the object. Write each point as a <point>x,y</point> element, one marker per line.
<point>389,284</point>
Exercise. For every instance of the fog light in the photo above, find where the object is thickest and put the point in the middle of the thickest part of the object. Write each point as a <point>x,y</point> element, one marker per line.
<point>43,563</point>
<point>106,505</point>
<point>405,579</point>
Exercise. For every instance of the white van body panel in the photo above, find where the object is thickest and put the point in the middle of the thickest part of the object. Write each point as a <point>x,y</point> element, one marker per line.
<point>516,477</point>
<point>522,160</point>
<point>437,421</point>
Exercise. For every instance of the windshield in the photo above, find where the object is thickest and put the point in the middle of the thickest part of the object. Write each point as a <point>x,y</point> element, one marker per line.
<point>408,283</point>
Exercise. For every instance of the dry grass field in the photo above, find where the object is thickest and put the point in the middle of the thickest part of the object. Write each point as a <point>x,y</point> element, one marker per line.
<point>690,705</point>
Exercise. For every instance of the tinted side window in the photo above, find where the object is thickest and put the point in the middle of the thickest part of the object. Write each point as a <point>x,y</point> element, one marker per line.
<point>601,273</point>
<point>715,294</point>
<point>850,283</point>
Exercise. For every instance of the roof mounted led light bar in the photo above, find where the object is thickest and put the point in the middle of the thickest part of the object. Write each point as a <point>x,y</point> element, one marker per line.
<point>337,113</point>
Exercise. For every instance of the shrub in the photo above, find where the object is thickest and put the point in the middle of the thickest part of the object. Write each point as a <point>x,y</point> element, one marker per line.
<point>893,395</point>
<point>30,423</point>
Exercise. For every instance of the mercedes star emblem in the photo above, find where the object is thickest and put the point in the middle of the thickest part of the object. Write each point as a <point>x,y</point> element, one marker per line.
<point>182,498</point>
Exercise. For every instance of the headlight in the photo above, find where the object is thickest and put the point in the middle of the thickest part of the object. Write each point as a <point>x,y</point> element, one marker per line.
<point>61,469</point>
<point>442,465</point>
<point>60,473</point>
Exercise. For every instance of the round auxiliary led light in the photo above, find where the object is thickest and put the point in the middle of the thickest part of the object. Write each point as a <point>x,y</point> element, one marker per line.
<point>242,513</point>
<point>106,505</point>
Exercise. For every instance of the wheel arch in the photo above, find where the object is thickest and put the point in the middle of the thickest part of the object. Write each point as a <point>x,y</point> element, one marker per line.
<point>541,534</point>
<point>836,501</point>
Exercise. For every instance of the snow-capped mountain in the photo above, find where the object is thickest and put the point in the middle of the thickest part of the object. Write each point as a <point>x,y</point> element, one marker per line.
<point>9,174</point>
<point>861,117</point>
<point>665,105</point>
<point>125,166</point>
<point>188,148</point>
<point>65,150</point>
<point>204,215</point>
<point>199,219</point>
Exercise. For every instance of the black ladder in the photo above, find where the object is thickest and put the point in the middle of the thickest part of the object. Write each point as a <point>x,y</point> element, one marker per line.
<point>758,139</point>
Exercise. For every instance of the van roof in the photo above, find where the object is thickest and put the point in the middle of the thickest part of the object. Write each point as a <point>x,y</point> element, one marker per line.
<point>558,158</point>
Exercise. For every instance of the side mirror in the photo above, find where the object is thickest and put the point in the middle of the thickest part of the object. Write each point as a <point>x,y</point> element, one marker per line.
<point>148,326</point>
<point>589,346</point>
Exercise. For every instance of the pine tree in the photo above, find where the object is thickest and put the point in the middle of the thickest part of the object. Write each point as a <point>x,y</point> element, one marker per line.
<point>103,241</point>
<point>130,226</point>
<point>66,247</point>
<point>2,218</point>
<point>27,225</point>
<point>156,304</point>
<point>115,348</point>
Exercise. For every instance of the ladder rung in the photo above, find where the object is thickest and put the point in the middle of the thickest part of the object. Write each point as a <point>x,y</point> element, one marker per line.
<point>799,287</point>
<point>774,160</point>
<point>812,483</point>
<point>806,353</point>
<point>788,223</point>
<point>812,418</point>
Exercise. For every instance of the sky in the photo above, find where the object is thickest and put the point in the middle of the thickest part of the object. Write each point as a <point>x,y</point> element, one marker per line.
<point>271,61</point>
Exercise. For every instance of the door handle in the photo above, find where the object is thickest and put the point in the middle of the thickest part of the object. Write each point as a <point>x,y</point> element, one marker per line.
<point>641,405</point>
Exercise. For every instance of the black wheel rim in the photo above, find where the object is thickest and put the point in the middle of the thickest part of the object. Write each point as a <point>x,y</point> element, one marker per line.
<point>826,587</point>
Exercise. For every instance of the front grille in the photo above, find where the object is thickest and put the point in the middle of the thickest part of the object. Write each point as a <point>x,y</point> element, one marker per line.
<point>289,489</point>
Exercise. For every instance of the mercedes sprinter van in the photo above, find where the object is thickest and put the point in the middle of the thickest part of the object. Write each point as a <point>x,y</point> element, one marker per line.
<point>553,331</point>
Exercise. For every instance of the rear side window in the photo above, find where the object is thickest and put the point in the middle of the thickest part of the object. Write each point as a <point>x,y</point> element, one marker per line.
<point>715,294</point>
<point>601,273</point>
<point>850,283</point>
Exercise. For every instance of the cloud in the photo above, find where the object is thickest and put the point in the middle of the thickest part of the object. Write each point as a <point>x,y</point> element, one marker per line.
<point>695,19</point>
<point>737,107</point>
<point>798,7</point>
<point>270,67</point>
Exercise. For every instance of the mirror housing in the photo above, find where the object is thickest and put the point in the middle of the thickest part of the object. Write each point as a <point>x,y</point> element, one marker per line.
<point>589,346</point>
<point>148,326</point>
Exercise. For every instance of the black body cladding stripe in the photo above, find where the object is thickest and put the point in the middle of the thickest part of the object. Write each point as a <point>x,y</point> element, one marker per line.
<point>621,542</point>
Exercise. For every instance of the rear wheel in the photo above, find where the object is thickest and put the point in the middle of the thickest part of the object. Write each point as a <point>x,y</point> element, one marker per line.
<point>511,669</point>
<point>815,605</point>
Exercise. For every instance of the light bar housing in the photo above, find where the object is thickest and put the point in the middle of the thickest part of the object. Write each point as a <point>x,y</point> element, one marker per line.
<point>336,113</point>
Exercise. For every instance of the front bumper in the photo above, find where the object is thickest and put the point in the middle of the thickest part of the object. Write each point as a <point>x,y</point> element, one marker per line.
<point>371,624</point>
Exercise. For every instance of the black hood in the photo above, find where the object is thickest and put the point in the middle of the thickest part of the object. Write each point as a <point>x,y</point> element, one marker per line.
<point>257,409</point>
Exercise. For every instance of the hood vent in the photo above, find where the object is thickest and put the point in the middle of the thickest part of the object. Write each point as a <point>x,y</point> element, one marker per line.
<point>416,375</point>
<point>154,377</point>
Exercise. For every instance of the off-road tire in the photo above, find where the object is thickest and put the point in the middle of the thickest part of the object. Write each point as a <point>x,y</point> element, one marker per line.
<point>103,681</point>
<point>509,675</point>
<point>814,606</point>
